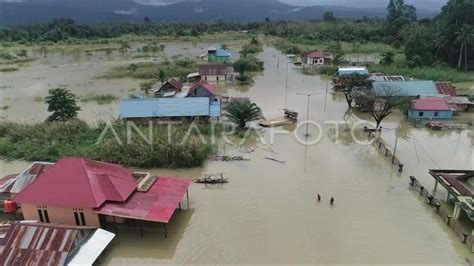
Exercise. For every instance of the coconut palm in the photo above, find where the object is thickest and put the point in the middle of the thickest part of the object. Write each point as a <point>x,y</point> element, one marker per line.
<point>242,112</point>
<point>387,58</point>
<point>464,37</point>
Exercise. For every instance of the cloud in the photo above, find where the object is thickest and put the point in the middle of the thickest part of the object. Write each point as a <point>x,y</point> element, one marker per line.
<point>126,12</point>
<point>156,2</point>
<point>198,10</point>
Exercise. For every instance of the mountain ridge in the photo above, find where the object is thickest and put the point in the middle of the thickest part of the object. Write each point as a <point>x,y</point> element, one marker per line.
<point>92,11</point>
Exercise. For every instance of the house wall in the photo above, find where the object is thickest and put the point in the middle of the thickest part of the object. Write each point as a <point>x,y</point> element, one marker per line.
<point>415,114</point>
<point>214,77</point>
<point>214,58</point>
<point>315,61</point>
<point>202,92</point>
<point>59,215</point>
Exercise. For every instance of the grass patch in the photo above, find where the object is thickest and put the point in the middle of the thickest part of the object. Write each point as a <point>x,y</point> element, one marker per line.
<point>51,141</point>
<point>287,45</point>
<point>435,73</point>
<point>38,99</point>
<point>148,70</point>
<point>8,69</point>
<point>99,98</point>
<point>321,70</point>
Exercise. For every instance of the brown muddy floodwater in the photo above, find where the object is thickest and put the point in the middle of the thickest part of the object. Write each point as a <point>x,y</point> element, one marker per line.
<point>268,213</point>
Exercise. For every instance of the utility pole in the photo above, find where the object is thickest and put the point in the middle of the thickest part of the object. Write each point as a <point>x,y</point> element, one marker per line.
<point>326,97</point>
<point>397,134</point>
<point>307,110</point>
<point>286,85</point>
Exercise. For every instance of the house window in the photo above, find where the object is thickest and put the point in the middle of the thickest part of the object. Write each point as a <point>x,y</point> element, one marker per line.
<point>436,113</point>
<point>420,114</point>
<point>79,217</point>
<point>43,215</point>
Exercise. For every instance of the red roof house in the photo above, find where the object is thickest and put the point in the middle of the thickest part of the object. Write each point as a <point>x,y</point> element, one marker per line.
<point>73,190</point>
<point>430,108</point>
<point>81,183</point>
<point>430,104</point>
<point>202,88</point>
<point>317,58</point>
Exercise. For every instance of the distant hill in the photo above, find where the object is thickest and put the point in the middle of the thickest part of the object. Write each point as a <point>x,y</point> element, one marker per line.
<point>88,11</point>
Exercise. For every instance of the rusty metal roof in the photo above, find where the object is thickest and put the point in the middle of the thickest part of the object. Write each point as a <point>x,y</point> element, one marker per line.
<point>446,88</point>
<point>157,204</point>
<point>38,244</point>
<point>33,243</point>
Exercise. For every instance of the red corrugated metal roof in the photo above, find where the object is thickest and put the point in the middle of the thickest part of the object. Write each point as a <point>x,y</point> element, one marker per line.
<point>430,104</point>
<point>446,88</point>
<point>203,84</point>
<point>157,204</point>
<point>38,244</point>
<point>80,183</point>
<point>316,54</point>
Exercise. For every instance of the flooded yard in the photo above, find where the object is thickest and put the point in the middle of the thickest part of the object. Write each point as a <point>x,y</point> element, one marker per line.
<point>268,213</point>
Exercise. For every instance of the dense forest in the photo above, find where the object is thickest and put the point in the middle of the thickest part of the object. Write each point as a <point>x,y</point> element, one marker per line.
<point>446,39</point>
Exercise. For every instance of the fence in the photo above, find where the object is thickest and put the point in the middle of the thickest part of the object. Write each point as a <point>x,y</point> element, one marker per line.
<point>444,212</point>
<point>380,144</point>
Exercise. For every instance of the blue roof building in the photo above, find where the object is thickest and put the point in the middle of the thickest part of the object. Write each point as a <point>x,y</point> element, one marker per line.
<point>411,88</point>
<point>170,108</point>
<point>218,55</point>
<point>349,71</point>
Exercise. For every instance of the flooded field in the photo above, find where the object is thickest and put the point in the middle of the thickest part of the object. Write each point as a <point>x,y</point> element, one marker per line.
<point>268,213</point>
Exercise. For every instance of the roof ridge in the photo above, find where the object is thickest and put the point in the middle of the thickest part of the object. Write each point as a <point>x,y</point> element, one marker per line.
<point>84,168</point>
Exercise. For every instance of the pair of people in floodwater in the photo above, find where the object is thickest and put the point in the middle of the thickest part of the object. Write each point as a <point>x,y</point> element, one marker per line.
<point>331,201</point>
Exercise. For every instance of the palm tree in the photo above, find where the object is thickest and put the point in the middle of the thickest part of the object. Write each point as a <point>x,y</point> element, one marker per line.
<point>464,37</point>
<point>387,58</point>
<point>242,112</point>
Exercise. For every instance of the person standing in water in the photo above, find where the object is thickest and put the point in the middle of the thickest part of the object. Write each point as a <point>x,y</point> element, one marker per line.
<point>319,197</point>
<point>331,201</point>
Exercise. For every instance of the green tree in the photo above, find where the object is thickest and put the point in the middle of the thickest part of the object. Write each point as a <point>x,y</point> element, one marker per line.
<point>132,67</point>
<point>328,16</point>
<point>337,53</point>
<point>146,86</point>
<point>464,38</point>
<point>162,76</point>
<point>62,103</point>
<point>399,15</point>
<point>242,112</point>
<point>387,58</point>
<point>23,53</point>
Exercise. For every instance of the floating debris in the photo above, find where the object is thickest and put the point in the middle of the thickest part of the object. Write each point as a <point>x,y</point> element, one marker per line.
<point>217,178</point>
<point>275,160</point>
<point>226,158</point>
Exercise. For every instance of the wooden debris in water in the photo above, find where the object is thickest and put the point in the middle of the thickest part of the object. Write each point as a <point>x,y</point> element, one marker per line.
<point>275,160</point>
<point>217,178</point>
<point>226,158</point>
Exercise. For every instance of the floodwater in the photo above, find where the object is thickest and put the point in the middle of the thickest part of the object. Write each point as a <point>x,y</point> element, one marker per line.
<point>268,213</point>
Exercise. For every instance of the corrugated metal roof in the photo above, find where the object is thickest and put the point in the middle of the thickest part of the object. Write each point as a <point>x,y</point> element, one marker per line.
<point>446,88</point>
<point>37,244</point>
<point>91,248</point>
<point>157,204</point>
<point>347,71</point>
<point>164,107</point>
<point>16,183</point>
<point>222,53</point>
<point>406,88</point>
<point>316,54</point>
<point>203,84</point>
<point>430,105</point>
<point>215,109</point>
<point>91,182</point>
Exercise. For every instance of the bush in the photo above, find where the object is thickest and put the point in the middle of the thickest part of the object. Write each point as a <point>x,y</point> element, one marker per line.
<point>51,141</point>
